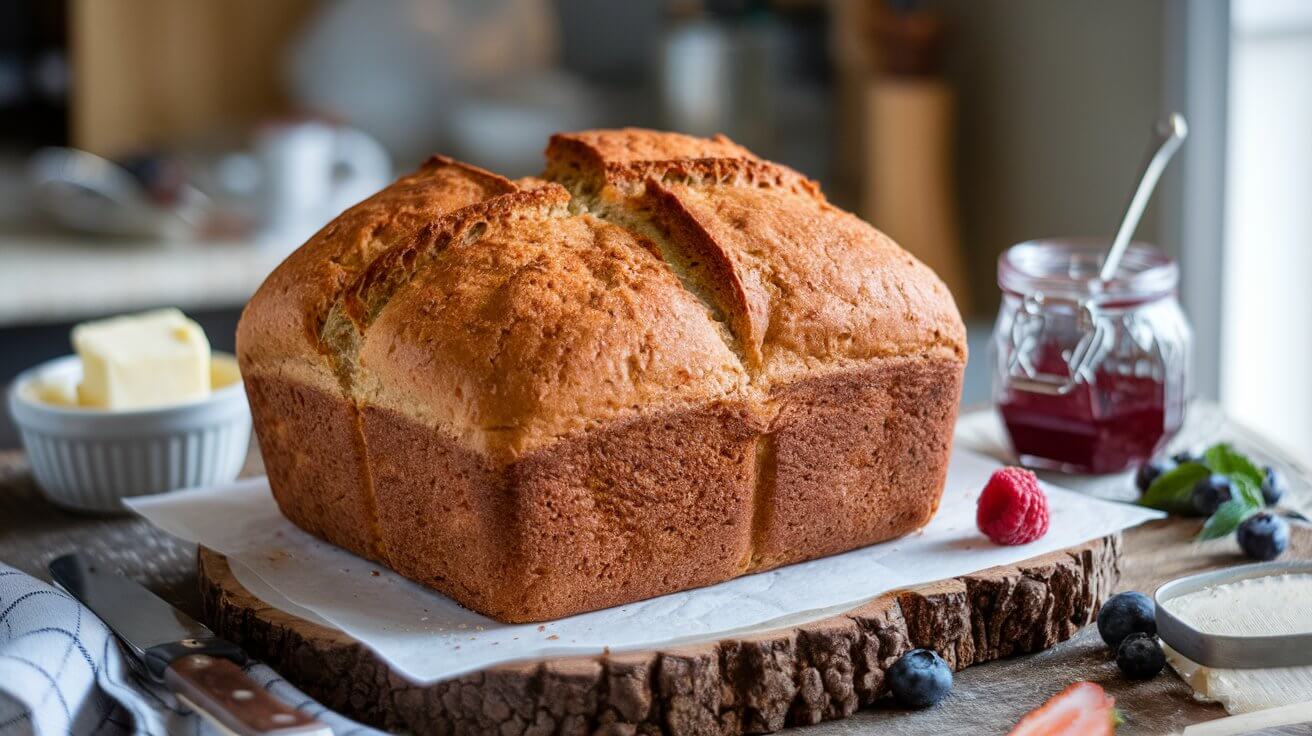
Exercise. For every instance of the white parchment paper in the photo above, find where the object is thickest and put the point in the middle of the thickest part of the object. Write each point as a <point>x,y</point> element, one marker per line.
<point>428,637</point>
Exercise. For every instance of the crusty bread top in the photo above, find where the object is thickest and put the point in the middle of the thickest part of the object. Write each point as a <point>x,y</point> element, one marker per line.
<point>279,329</point>
<point>667,271</point>
<point>544,325</point>
<point>601,150</point>
<point>811,286</point>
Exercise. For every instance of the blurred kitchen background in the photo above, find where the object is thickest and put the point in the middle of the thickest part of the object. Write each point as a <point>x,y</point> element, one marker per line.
<point>171,152</point>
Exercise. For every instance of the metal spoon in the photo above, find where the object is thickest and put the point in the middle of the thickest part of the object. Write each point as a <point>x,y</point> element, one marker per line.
<point>1169,134</point>
<point>90,194</point>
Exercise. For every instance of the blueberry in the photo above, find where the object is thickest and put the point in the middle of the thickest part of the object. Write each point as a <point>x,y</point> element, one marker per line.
<point>1124,614</point>
<point>1149,471</point>
<point>919,679</point>
<point>1140,657</point>
<point>1187,456</point>
<point>1263,536</point>
<point>1273,486</point>
<point>1210,493</point>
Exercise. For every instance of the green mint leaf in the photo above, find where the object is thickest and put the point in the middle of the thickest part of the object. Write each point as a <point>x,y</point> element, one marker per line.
<point>1246,491</point>
<point>1173,489</point>
<point>1227,518</point>
<point>1224,459</point>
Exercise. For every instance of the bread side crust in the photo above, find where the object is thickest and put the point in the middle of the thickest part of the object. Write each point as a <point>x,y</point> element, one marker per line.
<point>636,509</point>
<point>656,504</point>
<point>855,458</point>
<point>315,461</point>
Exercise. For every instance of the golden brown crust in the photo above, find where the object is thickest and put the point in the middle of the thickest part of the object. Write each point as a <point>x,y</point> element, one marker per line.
<point>817,286</point>
<point>603,150</point>
<point>800,283</point>
<point>366,296</point>
<point>539,329</point>
<point>681,365</point>
<point>283,319</point>
<point>629,159</point>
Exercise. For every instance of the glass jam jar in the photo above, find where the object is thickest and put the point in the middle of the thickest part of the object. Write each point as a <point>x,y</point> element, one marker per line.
<point>1089,376</point>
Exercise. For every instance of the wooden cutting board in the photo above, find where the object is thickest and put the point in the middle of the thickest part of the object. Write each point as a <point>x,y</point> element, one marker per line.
<point>801,675</point>
<point>986,699</point>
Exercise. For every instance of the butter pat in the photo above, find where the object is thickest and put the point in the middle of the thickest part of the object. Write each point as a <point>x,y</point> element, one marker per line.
<point>54,390</point>
<point>141,360</point>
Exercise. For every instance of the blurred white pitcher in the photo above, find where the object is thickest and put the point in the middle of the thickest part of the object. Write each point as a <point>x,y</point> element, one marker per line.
<point>311,171</point>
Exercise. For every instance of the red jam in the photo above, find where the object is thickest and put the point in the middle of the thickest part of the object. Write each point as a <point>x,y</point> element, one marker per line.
<point>1125,399</point>
<point>1116,423</point>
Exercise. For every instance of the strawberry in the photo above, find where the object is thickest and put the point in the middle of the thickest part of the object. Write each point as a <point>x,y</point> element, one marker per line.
<point>1082,709</point>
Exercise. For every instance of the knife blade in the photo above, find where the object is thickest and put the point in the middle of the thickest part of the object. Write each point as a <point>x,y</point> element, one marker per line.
<point>183,654</point>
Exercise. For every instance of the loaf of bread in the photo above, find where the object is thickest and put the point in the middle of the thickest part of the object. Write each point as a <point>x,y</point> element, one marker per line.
<point>663,364</point>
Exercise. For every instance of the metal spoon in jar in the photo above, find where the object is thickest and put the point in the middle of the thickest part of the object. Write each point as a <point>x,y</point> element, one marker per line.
<point>1170,133</point>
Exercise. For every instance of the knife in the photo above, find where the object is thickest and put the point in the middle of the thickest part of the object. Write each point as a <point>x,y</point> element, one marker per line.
<point>180,652</point>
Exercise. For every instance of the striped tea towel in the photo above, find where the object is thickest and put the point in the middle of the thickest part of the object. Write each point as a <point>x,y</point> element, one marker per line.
<point>62,672</point>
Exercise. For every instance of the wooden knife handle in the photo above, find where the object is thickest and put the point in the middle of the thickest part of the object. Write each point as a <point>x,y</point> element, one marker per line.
<point>217,689</point>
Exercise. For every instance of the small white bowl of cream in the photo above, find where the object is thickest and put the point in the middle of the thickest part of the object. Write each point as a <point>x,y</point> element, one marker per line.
<point>144,407</point>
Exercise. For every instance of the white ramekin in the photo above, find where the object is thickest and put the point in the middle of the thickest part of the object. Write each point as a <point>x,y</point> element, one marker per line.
<point>89,459</point>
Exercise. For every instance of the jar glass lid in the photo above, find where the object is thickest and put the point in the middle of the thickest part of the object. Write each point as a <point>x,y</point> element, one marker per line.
<point>1068,268</point>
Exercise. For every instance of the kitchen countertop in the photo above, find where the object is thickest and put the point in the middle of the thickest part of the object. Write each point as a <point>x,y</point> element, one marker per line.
<point>51,275</point>
<point>986,698</point>
<point>54,277</point>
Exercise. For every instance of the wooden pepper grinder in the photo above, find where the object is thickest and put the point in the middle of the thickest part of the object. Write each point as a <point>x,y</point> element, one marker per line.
<point>908,190</point>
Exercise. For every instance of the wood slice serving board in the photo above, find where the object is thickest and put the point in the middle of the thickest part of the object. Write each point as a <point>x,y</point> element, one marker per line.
<point>758,684</point>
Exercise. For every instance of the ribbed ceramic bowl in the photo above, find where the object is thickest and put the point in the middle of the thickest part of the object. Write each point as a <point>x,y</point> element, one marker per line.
<point>89,459</point>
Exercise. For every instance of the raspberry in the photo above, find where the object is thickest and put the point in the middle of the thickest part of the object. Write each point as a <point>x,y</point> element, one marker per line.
<point>1012,509</point>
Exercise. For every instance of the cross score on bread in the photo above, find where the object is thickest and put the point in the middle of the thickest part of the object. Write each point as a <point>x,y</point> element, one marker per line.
<point>663,364</point>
